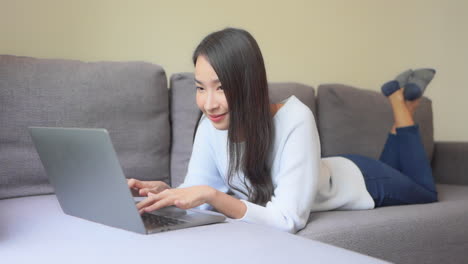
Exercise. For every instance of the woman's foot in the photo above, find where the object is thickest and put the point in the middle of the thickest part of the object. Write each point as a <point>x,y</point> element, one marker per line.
<point>417,83</point>
<point>396,97</point>
<point>403,77</point>
<point>400,81</point>
<point>390,88</point>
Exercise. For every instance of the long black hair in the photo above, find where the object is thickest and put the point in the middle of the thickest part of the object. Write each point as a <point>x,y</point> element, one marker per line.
<point>237,60</point>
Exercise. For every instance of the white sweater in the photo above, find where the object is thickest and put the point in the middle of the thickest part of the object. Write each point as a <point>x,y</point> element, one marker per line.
<point>303,182</point>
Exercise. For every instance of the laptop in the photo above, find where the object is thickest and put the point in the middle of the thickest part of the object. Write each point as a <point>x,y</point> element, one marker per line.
<point>83,168</point>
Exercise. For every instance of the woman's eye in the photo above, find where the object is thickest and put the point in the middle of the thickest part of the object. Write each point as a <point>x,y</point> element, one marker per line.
<point>198,88</point>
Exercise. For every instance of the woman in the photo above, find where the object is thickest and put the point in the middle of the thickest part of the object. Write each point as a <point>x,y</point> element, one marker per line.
<point>268,155</point>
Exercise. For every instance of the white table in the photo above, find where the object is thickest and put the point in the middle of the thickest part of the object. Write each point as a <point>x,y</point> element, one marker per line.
<point>35,230</point>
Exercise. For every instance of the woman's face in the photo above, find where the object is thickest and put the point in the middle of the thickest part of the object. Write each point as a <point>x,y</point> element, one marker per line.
<point>210,95</point>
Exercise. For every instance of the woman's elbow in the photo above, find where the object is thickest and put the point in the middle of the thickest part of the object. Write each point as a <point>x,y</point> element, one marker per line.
<point>293,225</point>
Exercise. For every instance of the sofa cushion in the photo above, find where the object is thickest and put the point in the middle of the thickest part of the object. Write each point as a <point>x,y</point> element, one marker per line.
<point>421,233</point>
<point>129,99</point>
<point>184,113</point>
<point>52,237</point>
<point>357,121</point>
<point>279,91</point>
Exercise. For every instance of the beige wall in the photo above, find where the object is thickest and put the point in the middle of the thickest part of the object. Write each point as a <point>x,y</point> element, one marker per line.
<point>361,42</point>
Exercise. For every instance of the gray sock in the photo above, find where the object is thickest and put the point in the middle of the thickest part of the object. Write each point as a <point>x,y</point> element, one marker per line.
<point>418,82</point>
<point>422,77</point>
<point>403,77</point>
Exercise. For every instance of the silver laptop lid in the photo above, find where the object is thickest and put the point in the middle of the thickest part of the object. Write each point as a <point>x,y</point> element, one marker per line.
<point>88,180</point>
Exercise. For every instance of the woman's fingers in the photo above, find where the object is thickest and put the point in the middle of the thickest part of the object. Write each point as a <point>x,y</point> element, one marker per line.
<point>155,190</point>
<point>155,202</point>
<point>137,184</point>
<point>149,200</point>
<point>182,198</point>
<point>144,192</point>
<point>158,205</point>
<point>131,183</point>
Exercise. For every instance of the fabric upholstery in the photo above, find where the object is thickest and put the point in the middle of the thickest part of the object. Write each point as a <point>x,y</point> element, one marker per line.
<point>279,91</point>
<point>184,113</point>
<point>450,162</point>
<point>357,121</point>
<point>129,99</point>
<point>54,237</point>
<point>424,233</point>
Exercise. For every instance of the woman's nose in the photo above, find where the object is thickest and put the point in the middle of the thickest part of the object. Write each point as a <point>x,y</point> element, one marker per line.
<point>211,102</point>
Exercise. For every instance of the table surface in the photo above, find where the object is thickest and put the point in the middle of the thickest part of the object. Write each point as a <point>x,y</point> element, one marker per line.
<point>35,230</point>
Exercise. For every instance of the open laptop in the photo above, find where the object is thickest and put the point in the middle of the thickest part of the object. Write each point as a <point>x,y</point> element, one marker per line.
<point>83,168</point>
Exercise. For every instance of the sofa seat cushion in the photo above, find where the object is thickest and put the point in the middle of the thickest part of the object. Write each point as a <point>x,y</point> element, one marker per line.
<point>401,234</point>
<point>357,121</point>
<point>129,99</point>
<point>35,230</point>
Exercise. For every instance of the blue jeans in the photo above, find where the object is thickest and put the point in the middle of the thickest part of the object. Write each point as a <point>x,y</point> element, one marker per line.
<point>402,175</point>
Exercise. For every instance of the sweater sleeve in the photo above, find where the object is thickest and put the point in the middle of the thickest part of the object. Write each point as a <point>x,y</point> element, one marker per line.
<point>202,168</point>
<point>295,181</point>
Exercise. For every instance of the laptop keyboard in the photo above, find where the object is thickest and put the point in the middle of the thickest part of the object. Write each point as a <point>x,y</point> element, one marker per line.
<point>152,220</point>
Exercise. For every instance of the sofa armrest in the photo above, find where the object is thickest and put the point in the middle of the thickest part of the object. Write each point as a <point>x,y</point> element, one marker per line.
<point>450,162</point>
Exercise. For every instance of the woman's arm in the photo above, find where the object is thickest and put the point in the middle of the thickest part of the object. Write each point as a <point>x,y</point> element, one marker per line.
<point>227,205</point>
<point>190,197</point>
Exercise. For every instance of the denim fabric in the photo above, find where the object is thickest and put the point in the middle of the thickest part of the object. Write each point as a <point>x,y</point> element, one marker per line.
<point>402,175</point>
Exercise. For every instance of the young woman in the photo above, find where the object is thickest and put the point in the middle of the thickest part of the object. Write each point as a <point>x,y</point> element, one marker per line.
<point>260,162</point>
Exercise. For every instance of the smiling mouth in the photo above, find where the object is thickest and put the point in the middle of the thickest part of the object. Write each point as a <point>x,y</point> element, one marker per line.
<point>216,116</point>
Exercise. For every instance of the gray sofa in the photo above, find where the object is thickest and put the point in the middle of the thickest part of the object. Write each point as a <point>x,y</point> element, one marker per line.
<point>152,126</point>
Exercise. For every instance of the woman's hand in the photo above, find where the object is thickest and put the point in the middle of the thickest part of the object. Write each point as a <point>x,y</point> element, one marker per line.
<point>145,187</point>
<point>183,198</point>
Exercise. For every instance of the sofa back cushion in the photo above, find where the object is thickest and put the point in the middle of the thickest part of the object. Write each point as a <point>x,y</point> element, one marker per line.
<point>279,91</point>
<point>129,99</point>
<point>184,113</point>
<point>357,121</point>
